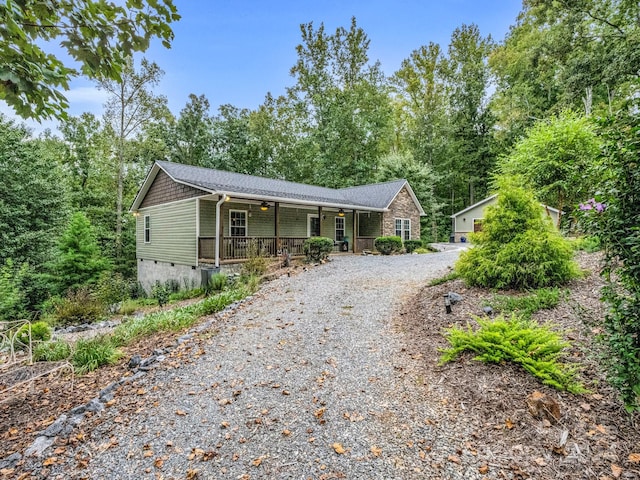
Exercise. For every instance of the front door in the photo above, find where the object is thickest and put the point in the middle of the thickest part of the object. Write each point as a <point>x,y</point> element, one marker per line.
<point>313,225</point>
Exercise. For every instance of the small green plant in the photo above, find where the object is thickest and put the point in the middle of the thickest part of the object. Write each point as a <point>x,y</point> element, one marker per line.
<point>217,283</point>
<point>256,263</point>
<point>161,293</point>
<point>452,275</point>
<point>536,348</point>
<point>40,332</point>
<point>128,307</point>
<point>317,249</point>
<point>526,305</point>
<point>112,288</point>
<point>589,244</point>
<point>94,353</point>
<point>186,294</point>
<point>388,245</point>
<point>411,246</point>
<point>79,306</point>
<point>51,351</point>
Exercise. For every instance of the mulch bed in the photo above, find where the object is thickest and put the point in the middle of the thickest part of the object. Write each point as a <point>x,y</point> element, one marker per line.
<point>595,438</point>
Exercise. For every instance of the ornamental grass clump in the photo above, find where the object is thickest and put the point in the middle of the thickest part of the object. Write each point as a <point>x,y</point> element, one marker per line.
<point>536,348</point>
<point>518,246</point>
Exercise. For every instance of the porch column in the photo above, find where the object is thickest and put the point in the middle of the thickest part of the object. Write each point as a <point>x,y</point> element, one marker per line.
<point>277,225</point>
<point>319,221</point>
<point>355,231</point>
<point>220,238</point>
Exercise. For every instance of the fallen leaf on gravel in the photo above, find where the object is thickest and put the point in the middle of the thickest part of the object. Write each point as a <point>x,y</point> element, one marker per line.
<point>634,457</point>
<point>209,455</point>
<point>148,453</point>
<point>192,474</point>
<point>616,471</point>
<point>141,391</point>
<point>319,413</point>
<point>224,425</point>
<point>286,433</point>
<point>110,403</point>
<point>49,461</point>
<point>235,457</point>
<point>286,392</point>
<point>484,468</point>
<point>376,451</point>
<point>224,401</point>
<point>454,459</point>
<point>540,461</point>
<point>60,450</point>
<point>509,424</point>
<point>257,462</point>
<point>182,413</point>
<point>338,448</point>
<point>158,463</point>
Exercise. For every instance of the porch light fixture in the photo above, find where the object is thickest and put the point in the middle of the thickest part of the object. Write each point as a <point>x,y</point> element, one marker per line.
<point>341,213</point>
<point>264,206</point>
<point>227,198</point>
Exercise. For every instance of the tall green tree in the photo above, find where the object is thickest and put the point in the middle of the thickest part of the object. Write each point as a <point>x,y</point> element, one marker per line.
<point>33,197</point>
<point>556,158</point>
<point>466,173</point>
<point>191,138</point>
<point>130,107</point>
<point>99,35</point>
<point>79,261</point>
<point>343,95</point>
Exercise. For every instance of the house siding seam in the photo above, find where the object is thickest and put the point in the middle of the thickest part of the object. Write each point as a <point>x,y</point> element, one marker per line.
<point>402,207</point>
<point>165,190</point>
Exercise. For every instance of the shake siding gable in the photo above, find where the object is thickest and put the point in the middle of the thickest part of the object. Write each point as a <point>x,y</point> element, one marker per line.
<point>165,190</point>
<point>173,233</point>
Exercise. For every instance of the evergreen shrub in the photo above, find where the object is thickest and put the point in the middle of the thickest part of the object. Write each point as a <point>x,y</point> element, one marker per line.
<point>536,348</point>
<point>388,245</point>
<point>40,332</point>
<point>412,245</point>
<point>518,247</point>
<point>317,248</point>
<point>78,306</point>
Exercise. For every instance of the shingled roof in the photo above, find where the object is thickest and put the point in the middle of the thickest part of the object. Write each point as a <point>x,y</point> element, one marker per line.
<point>375,197</point>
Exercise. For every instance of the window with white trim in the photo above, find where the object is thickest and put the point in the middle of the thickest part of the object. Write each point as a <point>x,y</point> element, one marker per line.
<point>238,223</point>
<point>339,229</point>
<point>147,229</point>
<point>403,228</point>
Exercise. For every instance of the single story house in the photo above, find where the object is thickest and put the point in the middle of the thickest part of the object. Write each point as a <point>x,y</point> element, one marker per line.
<point>470,219</point>
<point>189,218</point>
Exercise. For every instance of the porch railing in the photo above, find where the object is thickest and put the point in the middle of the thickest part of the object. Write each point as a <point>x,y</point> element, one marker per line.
<point>239,248</point>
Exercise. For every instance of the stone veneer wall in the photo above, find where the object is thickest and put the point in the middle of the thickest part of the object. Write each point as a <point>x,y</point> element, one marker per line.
<point>402,207</point>
<point>164,190</point>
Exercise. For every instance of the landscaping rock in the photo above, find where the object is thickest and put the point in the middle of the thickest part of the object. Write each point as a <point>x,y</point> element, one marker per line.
<point>454,298</point>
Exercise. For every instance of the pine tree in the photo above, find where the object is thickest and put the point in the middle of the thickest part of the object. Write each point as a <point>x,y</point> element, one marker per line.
<point>80,262</point>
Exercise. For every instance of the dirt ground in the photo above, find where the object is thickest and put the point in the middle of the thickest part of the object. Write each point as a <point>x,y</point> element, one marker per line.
<point>594,439</point>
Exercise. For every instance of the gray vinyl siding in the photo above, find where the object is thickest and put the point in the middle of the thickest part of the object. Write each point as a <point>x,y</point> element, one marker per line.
<point>369,224</point>
<point>173,233</point>
<point>207,218</point>
<point>293,221</point>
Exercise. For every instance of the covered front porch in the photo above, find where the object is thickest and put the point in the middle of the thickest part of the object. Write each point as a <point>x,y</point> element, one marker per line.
<point>247,228</point>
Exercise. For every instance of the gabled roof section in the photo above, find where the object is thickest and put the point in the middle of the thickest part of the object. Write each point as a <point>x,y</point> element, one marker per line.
<point>488,199</point>
<point>376,197</point>
<point>381,195</point>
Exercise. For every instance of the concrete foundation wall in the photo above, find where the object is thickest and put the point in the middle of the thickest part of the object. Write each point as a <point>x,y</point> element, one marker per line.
<point>150,272</point>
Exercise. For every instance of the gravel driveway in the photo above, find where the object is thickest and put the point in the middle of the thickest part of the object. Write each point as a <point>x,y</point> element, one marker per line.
<point>306,380</point>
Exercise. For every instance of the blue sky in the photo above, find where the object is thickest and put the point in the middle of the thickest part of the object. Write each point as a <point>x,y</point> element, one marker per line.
<point>235,51</point>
